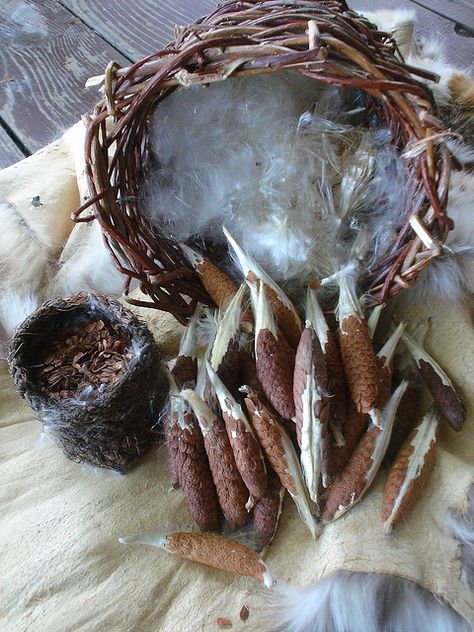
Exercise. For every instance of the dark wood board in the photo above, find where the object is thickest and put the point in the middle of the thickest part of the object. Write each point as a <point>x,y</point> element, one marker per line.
<point>461,11</point>
<point>457,49</point>
<point>140,27</point>
<point>9,152</point>
<point>46,55</point>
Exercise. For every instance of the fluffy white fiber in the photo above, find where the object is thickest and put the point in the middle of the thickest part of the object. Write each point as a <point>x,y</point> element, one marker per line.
<point>461,525</point>
<point>284,164</point>
<point>359,602</point>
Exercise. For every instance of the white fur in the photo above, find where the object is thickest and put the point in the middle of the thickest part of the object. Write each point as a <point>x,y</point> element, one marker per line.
<point>24,270</point>
<point>461,525</point>
<point>16,303</point>
<point>400,24</point>
<point>23,257</point>
<point>27,273</point>
<point>89,266</point>
<point>359,602</point>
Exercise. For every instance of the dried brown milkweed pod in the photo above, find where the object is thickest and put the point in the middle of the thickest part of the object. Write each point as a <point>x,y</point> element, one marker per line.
<point>354,427</point>
<point>189,464</point>
<point>225,353</point>
<point>171,429</point>
<point>281,455</point>
<point>231,489</point>
<point>247,367</point>
<point>450,404</point>
<point>385,360</point>
<point>217,283</point>
<point>373,319</point>
<point>410,471</point>
<point>185,367</point>
<point>358,356</point>
<point>355,479</point>
<point>405,420</point>
<point>312,409</point>
<point>247,453</point>
<point>274,358</point>
<point>211,550</point>
<point>337,387</point>
<point>285,313</point>
<point>203,385</point>
<point>267,511</point>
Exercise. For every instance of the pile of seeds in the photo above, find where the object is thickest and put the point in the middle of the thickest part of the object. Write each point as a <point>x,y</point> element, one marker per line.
<point>81,357</point>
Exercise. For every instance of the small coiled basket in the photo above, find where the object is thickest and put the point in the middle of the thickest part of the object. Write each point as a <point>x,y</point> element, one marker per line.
<point>323,40</point>
<point>115,428</point>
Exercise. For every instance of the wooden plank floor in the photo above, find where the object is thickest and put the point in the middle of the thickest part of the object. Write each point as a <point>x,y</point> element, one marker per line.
<point>48,48</point>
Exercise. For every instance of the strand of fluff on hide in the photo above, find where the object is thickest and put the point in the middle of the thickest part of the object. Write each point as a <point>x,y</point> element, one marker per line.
<point>285,164</point>
<point>359,602</point>
<point>461,525</point>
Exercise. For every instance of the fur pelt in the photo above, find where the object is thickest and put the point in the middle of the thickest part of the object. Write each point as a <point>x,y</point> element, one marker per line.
<point>359,602</point>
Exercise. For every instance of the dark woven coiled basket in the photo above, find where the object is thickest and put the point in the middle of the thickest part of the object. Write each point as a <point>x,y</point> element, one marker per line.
<point>323,40</point>
<point>109,430</point>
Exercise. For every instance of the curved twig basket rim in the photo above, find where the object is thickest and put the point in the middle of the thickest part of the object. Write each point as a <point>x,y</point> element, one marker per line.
<point>323,40</point>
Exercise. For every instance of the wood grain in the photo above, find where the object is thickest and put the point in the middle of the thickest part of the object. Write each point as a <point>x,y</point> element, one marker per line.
<point>140,27</point>
<point>461,11</point>
<point>48,48</point>
<point>46,55</point>
<point>9,152</point>
<point>457,49</point>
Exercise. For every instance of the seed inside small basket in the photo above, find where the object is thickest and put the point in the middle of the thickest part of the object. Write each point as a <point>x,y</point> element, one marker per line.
<point>91,356</point>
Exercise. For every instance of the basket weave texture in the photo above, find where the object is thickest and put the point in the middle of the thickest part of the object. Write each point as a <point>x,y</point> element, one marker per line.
<point>323,40</point>
<point>115,428</point>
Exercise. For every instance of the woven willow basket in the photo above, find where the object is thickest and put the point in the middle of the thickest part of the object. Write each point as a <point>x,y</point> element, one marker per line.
<point>323,40</point>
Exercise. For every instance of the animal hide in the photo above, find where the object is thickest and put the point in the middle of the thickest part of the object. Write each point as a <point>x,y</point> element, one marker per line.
<point>461,525</point>
<point>30,273</point>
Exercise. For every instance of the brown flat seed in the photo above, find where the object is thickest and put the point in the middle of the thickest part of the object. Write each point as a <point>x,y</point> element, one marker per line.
<point>244,613</point>
<point>223,623</point>
<point>77,361</point>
